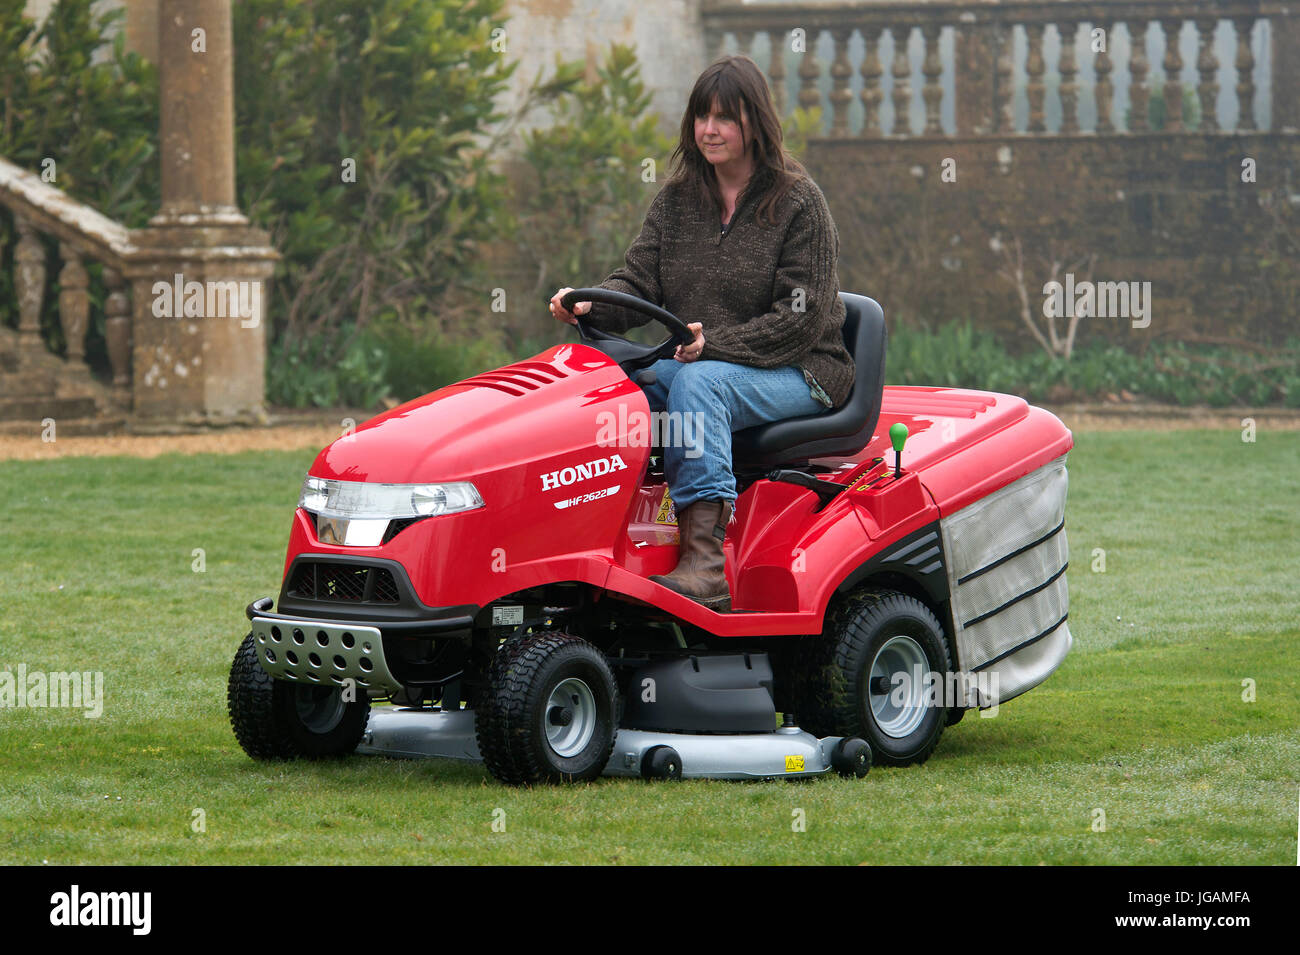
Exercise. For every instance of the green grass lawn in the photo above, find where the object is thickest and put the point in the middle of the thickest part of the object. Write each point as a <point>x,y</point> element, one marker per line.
<point>1145,719</point>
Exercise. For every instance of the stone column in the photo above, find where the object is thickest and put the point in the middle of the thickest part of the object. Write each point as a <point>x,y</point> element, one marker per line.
<point>200,279</point>
<point>196,75</point>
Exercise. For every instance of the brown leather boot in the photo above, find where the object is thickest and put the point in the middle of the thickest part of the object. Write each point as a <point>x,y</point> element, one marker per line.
<point>701,569</point>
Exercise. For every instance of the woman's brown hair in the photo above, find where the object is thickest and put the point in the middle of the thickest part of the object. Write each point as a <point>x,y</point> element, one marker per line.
<point>739,88</point>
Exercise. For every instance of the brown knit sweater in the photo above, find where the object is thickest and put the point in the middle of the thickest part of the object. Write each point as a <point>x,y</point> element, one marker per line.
<point>766,295</point>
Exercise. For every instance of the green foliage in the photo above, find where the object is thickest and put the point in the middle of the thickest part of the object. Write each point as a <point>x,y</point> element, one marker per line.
<point>81,112</point>
<point>302,376</point>
<point>798,126</point>
<point>72,95</point>
<point>958,355</point>
<point>1156,112</point>
<point>386,362</point>
<point>397,90</point>
<point>418,362</point>
<point>591,173</point>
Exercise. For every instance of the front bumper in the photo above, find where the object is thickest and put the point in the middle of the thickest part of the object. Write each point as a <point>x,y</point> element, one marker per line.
<point>324,653</point>
<point>325,650</point>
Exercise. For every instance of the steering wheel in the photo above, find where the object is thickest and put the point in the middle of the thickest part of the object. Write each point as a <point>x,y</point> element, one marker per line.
<point>629,355</point>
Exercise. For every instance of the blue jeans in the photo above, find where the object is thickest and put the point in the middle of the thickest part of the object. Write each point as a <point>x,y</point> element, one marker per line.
<point>713,399</point>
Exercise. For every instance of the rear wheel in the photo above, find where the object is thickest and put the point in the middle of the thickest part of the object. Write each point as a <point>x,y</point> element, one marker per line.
<point>873,674</point>
<point>275,719</point>
<point>549,711</point>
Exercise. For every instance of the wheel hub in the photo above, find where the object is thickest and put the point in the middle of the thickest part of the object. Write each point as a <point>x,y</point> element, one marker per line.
<point>896,686</point>
<point>570,717</point>
<point>320,708</point>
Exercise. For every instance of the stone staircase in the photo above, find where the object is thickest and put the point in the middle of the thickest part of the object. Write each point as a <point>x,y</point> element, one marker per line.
<point>36,387</point>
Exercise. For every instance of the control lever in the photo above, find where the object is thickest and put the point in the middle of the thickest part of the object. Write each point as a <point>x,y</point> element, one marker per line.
<point>825,490</point>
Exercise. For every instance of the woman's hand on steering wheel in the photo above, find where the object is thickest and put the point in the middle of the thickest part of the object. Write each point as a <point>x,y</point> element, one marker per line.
<point>691,352</point>
<point>562,314</point>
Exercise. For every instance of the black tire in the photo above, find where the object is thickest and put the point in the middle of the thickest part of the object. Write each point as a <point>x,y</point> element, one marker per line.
<point>852,757</point>
<point>830,675</point>
<point>274,719</point>
<point>661,762</point>
<point>520,728</point>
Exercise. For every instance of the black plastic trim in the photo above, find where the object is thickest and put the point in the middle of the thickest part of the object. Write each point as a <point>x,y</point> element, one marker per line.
<point>432,626</point>
<point>918,556</point>
<point>408,617</point>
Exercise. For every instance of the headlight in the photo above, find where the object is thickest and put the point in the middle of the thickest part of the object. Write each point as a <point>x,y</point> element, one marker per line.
<point>358,512</point>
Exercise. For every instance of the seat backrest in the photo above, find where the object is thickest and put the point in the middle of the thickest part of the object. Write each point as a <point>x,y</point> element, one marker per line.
<point>843,431</point>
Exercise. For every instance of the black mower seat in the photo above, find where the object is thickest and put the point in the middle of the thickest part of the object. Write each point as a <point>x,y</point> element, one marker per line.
<point>843,431</point>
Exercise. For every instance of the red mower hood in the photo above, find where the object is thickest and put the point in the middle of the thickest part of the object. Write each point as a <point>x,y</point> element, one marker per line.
<point>524,412</point>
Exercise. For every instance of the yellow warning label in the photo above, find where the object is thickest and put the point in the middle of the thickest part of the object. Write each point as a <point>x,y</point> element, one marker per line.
<point>667,513</point>
<point>794,764</point>
<point>879,468</point>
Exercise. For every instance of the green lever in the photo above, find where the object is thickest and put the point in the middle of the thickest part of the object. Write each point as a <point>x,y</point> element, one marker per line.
<point>898,437</point>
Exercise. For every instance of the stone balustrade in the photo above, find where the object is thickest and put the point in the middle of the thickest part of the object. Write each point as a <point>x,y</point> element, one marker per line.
<point>999,57</point>
<point>200,364</point>
<point>83,234</point>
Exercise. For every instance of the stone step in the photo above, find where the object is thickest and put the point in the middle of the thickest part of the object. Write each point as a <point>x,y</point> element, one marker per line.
<point>66,427</point>
<point>25,384</point>
<point>36,409</point>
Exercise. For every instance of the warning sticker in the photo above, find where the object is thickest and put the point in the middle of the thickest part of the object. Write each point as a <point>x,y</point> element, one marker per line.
<point>667,513</point>
<point>794,764</point>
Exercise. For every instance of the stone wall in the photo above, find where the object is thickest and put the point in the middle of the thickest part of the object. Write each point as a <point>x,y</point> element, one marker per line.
<point>666,35</point>
<point>1171,210</point>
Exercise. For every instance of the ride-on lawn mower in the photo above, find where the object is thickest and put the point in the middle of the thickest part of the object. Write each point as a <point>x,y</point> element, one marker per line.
<point>480,559</point>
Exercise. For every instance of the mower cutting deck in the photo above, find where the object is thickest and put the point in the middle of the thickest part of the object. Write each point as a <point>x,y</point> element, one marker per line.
<point>481,557</point>
<point>785,752</point>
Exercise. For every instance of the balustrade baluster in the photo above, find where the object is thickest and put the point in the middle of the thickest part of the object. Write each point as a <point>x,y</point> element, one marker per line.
<point>117,332</point>
<point>841,95</point>
<point>1068,69</point>
<point>810,72</point>
<point>1173,64</point>
<point>1104,92</point>
<point>932,69</point>
<point>29,284</point>
<point>1034,69</point>
<point>1138,67</point>
<point>1004,115</point>
<point>776,69</point>
<point>74,303</point>
<point>1207,64</point>
<point>745,42</point>
<point>902,71</point>
<point>1245,75</point>
<point>872,91</point>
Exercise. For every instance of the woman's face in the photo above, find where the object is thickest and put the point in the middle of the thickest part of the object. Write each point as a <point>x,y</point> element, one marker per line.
<point>722,138</point>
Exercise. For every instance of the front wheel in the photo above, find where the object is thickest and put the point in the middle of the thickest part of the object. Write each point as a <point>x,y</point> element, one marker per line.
<point>878,672</point>
<point>275,719</point>
<point>549,712</point>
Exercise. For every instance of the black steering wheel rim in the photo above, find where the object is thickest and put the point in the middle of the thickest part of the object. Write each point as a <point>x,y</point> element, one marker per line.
<point>628,354</point>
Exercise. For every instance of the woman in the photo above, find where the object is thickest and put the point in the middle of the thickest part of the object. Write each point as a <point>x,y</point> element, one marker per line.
<point>740,245</point>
